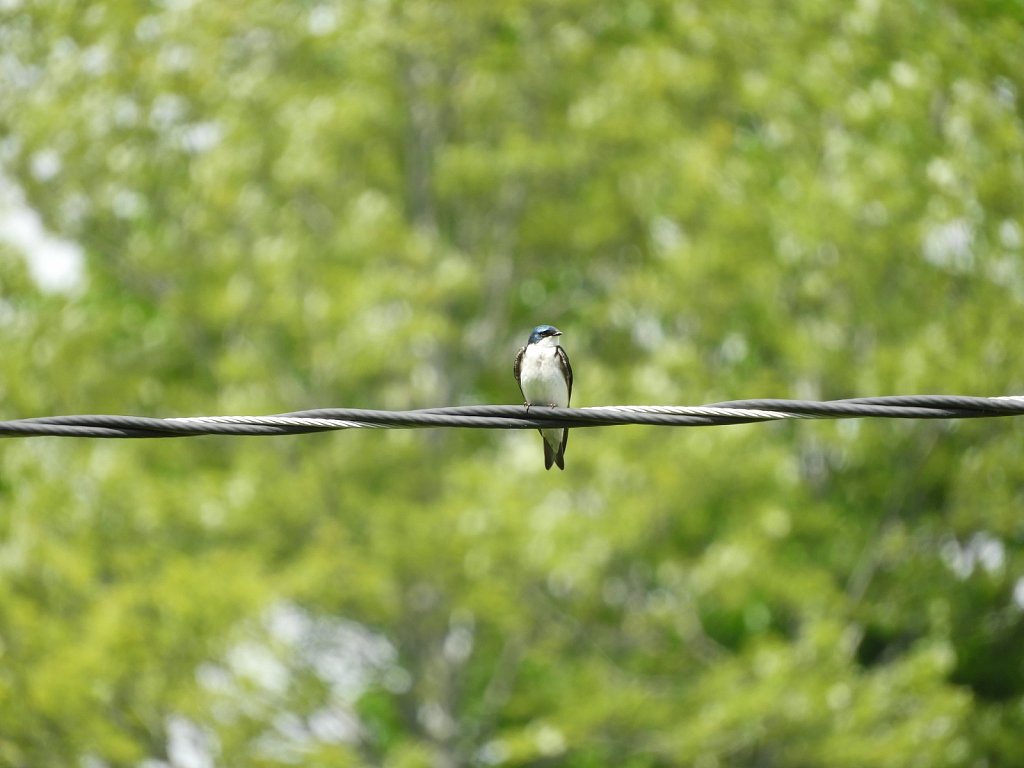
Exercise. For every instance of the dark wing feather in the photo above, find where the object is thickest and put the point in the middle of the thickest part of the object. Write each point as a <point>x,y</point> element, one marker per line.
<point>517,368</point>
<point>564,359</point>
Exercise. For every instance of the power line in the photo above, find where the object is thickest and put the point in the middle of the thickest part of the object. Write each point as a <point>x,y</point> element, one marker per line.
<point>520,417</point>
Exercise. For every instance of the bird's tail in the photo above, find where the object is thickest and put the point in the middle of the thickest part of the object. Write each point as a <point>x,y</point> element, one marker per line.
<point>554,455</point>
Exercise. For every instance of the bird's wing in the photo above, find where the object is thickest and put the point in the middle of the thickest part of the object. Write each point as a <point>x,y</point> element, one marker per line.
<point>564,359</point>
<point>517,367</point>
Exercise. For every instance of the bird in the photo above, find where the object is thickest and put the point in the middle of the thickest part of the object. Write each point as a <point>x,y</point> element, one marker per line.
<point>544,376</point>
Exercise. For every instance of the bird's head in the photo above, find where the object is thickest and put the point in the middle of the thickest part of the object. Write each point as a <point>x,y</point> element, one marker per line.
<point>545,334</point>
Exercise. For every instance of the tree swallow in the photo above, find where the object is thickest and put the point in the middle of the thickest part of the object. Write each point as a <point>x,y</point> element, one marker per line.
<point>545,378</point>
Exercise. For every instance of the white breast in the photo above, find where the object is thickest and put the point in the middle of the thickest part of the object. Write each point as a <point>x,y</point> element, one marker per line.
<point>542,378</point>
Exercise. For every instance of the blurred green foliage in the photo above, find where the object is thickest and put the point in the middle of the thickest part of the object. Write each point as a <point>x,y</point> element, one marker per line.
<point>285,205</point>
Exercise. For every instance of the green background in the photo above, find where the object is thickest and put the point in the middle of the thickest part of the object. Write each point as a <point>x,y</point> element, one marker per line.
<point>369,203</point>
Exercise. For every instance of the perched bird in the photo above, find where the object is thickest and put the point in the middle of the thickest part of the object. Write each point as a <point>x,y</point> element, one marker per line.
<point>545,378</point>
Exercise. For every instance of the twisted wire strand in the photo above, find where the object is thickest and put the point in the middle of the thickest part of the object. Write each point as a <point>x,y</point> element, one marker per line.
<point>519,417</point>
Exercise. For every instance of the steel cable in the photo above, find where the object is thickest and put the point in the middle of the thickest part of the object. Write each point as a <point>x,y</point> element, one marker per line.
<point>519,417</point>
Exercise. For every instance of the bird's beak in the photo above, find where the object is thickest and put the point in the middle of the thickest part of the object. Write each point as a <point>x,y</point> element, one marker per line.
<point>557,333</point>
